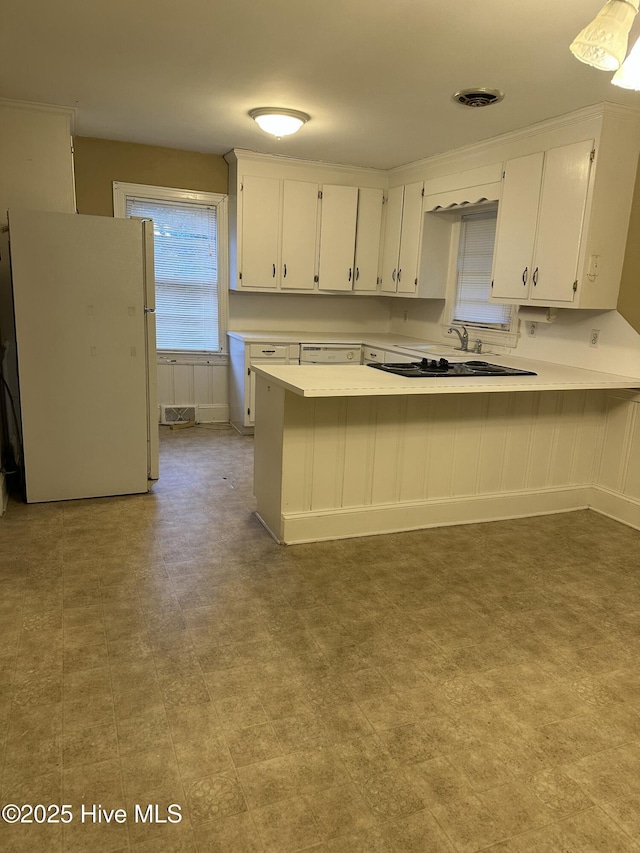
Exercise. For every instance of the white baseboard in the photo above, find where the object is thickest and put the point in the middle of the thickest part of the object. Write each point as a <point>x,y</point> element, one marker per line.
<point>209,414</point>
<point>617,506</point>
<point>302,527</point>
<point>242,430</point>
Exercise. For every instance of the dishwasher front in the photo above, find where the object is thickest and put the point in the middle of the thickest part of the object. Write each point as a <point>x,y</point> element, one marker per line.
<point>330,353</point>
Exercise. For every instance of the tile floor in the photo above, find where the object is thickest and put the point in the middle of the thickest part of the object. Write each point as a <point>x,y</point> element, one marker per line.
<point>457,689</point>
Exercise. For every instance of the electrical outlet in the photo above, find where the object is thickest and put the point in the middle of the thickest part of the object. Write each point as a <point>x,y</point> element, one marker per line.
<point>533,328</point>
<point>406,316</point>
<point>594,337</point>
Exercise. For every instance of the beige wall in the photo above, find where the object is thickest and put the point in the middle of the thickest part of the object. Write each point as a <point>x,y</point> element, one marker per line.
<point>629,298</point>
<point>99,162</point>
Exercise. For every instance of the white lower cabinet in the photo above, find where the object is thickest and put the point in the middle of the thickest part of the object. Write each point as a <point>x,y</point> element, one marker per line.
<point>377,355</point>
<point>242,380</point>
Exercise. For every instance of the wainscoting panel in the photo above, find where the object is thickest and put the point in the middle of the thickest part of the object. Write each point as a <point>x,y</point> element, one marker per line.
<point>200,384</point>
<point>374,451</point>
<point>363,465</point>
<point>620,460</point>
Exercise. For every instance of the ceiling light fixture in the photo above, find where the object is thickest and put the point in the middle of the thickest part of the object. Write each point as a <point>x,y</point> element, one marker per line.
<point>603,43</point>
<point>279,122</point>
<point>628,75</point>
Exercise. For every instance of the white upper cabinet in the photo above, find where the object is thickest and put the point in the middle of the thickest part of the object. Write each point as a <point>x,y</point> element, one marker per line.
<point>278,234</point>
<point>517,219</point>
<point>259,264</point>
<point>338,237</point>
<point>368,232</point>
<point>296,226</point>
<point>563,200</point>
<point>540,225</point>
<point>391,242</point>
<point>36,158</point>
<point>410,238</point>
<point>564,216</point>
<point>402,239</point>
<point>350,238</point>
<point>299,235</point>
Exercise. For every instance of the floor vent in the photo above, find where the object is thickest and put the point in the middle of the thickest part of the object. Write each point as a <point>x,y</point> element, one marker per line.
<point>177,414</point>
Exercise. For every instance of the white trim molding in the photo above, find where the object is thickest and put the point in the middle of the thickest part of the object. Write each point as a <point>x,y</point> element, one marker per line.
<point>123,190</point>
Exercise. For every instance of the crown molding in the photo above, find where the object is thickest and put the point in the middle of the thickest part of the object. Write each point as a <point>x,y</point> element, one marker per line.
<point>595,111</point>
<point>244,154</point>
<point>70,112</point>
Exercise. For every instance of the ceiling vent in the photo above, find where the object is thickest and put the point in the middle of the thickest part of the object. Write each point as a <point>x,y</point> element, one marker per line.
<point>478,97</point>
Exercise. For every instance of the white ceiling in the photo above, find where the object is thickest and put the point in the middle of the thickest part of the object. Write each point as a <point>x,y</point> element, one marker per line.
<point>375,75</point>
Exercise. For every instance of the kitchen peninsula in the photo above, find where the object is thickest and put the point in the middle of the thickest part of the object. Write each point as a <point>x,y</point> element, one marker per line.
<point>352,451</point>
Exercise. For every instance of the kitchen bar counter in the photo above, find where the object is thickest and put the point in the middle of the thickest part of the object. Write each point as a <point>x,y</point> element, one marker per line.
<point>363,381</point>
<point>352,451</point>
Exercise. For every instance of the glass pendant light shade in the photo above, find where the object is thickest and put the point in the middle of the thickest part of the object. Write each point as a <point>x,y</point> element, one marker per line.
<point>628,75</point>
<point>279,122</point>
<point>603,43</point>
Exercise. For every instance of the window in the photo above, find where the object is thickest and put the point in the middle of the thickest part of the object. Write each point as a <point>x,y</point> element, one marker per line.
<point>473,274</point>
<point>190,263</point>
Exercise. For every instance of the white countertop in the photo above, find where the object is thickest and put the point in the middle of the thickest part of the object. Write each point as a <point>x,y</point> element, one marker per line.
<point>378,339</point>
<point>363,381</point>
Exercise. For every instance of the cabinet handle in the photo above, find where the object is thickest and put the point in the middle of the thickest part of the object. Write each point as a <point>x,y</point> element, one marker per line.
<point>357,273</point>
<point>285,271</point>
<point>350,273</point>
<point>399,274</point>
<point>274,270</point>
<point>524,276</point>
<point>535,276</point>
<point>393,275</point>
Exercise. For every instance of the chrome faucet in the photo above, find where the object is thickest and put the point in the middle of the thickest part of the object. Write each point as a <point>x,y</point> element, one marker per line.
<point>463,335</point>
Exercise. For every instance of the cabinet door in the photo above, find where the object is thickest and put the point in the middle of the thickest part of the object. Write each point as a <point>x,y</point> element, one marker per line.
<point>299,235</point>
<point>562,205</point>
<point>260,232</point>
<point>410,238</point>
<point>516,229</point>
<point>338,237</point>
<point>391,244</point>
<point>368,229</point>
<point>36,163</point>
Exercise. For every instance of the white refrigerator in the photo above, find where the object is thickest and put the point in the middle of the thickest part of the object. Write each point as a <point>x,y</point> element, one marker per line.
<point>77,328</point>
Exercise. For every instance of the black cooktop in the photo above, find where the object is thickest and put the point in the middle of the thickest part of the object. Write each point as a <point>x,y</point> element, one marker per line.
<point>442,367</point>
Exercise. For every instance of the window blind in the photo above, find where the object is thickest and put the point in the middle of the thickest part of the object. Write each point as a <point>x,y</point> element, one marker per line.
<point>475,260</point>
<point>186,273</point>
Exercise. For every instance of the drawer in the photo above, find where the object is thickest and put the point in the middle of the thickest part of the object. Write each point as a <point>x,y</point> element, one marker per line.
<point>266,351</point>
<point>372,354</point>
